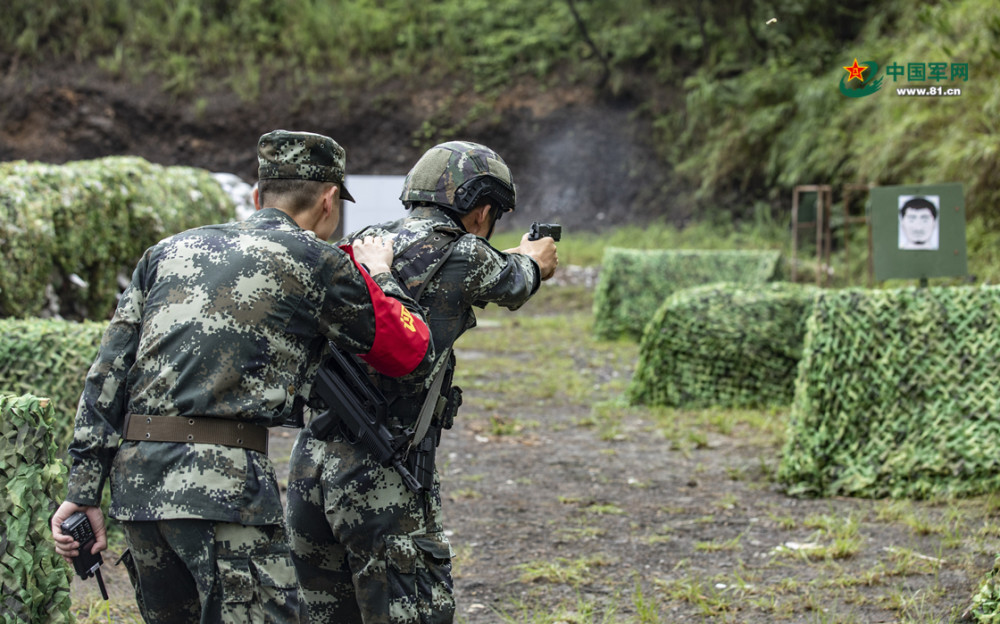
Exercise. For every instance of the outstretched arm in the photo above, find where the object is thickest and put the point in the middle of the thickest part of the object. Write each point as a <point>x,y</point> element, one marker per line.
<point>542,251</point>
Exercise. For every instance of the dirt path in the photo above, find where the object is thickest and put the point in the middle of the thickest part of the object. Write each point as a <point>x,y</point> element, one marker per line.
<point>566,506</point>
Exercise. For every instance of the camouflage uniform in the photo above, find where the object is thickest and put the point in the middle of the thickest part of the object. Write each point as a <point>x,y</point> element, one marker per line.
<point>227,321</point>
<point>366,548</point>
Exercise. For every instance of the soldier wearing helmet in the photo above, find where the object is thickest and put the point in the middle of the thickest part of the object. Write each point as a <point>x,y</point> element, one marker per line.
<point>365,547</point>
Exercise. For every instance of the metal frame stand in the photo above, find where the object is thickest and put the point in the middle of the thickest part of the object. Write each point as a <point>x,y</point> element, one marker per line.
<point>824,206</point>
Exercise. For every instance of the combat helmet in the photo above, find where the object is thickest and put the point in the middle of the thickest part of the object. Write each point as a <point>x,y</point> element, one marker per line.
<point>457,175</point>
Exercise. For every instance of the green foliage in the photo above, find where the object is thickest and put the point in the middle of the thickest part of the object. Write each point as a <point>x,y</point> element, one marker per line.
<point>776,123</point>
<point>983,250</point>
<point>50,359</point>
<point>193,42</point>
<point>91,219</point>
<point>743,95</point>
<point>35,580</point>
<point>917,139</point>
<point>723,345</point>
<point>894,395</point>
<point>588,248</point>
<point>986,602</point>
<point>633,284</point>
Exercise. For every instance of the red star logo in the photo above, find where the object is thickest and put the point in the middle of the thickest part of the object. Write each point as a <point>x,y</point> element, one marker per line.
<point>854,71</point>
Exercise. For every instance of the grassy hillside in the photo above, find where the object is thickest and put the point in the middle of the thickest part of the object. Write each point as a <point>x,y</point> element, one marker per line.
<point>741,96</point>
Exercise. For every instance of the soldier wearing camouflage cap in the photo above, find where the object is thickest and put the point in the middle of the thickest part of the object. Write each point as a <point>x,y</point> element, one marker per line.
<point>365,547</point>
<point>218,337</point>
<point>284,155</point>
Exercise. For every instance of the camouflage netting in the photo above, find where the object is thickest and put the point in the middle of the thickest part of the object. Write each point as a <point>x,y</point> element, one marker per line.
<point>897,395</point>
<point>634,283</point>
<point>726,345</point>
<point>49,358</point>
<point>35,581</point>
<point>986,602</point>
<point>86,221</point>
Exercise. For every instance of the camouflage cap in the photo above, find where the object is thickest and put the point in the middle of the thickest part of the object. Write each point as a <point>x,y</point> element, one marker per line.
<point>282,154</point>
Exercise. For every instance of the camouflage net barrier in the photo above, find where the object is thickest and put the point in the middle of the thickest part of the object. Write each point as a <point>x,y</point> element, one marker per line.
<point>897,395</point>
<point>35,581</point>
<point>986,602</point>
<point>726,345</point>
<point>72,228</point>
<point>634,283</point>
<point>49,358</point>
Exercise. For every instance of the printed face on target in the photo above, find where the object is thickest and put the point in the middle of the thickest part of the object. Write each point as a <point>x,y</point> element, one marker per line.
<point>918,222</point>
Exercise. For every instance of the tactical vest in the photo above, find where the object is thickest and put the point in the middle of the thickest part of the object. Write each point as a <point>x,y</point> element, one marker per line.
<point>422,257</point>
<point>419,257</point>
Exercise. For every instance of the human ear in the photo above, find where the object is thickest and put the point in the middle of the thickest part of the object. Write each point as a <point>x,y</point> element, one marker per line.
<point>484,215</point>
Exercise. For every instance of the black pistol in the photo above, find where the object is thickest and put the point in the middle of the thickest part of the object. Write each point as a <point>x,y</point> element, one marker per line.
<point>541,230</point>
<point>86,564</point>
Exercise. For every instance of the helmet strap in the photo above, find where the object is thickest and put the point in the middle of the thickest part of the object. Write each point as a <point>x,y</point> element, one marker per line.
<point>495,212</point>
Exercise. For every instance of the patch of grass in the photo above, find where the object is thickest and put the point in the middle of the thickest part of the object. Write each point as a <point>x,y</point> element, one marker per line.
<point>892,510</point>
<point>727,501</point>
<point>913,606</point>
<point>834,525</point>
<point>591,507</point>
<point>573,572</point>
<point>704,595</point>
<point>920,524</point>
<point>574,534</point>
<point>718,545</point>
<point>99,611</point>
<point>466,494</point>
<point>839,548</point>
<point>690,429</point>
<point>647,610</point>
<point>504,425</point>
<point>464,555</point>
<point>736,473</point>
<point>785,522</point>
<point>607,417</point>
<point>578,611</point>
<point>907,562</point>
<point>603,509</point>
<point>774,606</point>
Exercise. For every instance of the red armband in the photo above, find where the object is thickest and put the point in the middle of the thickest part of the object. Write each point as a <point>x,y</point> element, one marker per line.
<point>401,339</point>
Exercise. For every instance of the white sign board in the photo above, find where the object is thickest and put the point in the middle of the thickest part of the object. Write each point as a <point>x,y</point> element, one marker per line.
<point>377,200</point>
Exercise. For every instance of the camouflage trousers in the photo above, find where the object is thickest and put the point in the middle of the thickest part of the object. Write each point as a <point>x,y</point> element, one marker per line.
<point>365,548</point>
<point>186,571</point>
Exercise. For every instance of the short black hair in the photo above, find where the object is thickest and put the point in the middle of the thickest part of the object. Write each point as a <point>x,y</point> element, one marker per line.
<point>295,194</point>
<point>918,203</point>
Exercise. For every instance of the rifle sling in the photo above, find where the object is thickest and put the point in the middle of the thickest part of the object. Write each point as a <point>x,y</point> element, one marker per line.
<point>416,266</point>
<point>430,402</point>
<point>198,430</point>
